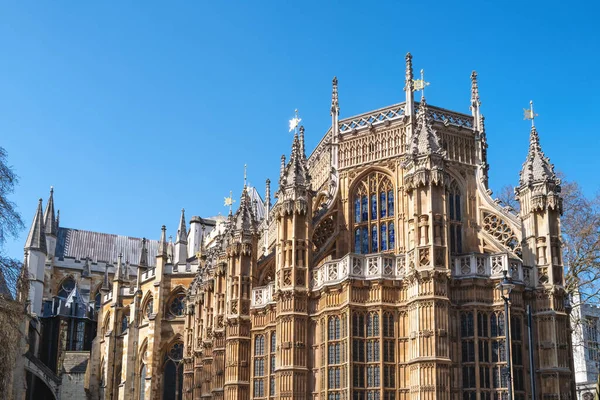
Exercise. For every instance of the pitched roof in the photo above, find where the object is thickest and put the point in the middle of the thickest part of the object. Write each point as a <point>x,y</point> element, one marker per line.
<point>105,247</point>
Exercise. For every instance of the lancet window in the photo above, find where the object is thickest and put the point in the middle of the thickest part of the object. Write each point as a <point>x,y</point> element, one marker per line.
<point>455,218</point>
<point>374,208</point>
<point>173,372</point>
<point>66,288</point>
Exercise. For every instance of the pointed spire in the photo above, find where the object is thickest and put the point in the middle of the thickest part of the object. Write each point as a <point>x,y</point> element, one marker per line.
<point>474,90</point>
<point>537,167</point>
<point>335,106</point>
<point>475,103</point>
<point>143,254</point>
<point>282,168</point>
<point>267,197</point>
<point>244,219</point>
<point>119,269</point>
<point>170,250</point>
<point>162,244</point>
<point>302,152</point>
<point>182,231</point>
<point>36,240</point>
<point>409,87</point>
<point>49,219</point>
<point>424,139</point>
<point>57,220</point>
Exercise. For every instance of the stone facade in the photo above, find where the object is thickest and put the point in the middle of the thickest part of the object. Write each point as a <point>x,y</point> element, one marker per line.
<point>586,347</point>
<point>372,276</point>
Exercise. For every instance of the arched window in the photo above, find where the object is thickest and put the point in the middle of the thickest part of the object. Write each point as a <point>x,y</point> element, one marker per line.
<point>374,229</point>
<point>455,214</point>
<point>106,325</point>
<point>142,386</point>
<point>259,345</point>
<point>388,325</point>
<point>373,324</point>
<point>66,287</point>
<point>177,305</point>
<point>149,307</point>
<point>173,373</point>
<point>124,324</point>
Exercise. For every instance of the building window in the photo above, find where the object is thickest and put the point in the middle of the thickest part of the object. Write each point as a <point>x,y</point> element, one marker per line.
<point>466,325</point>
<point>497,324</point>
<point>177,305</point>
<point>149,308</point>
<point>142,386</point>
<point>374,228</point>
<point>66,288</point>
<point>173,373</point>
<point>590,333</point>
<point>259,388</point>
<point>272,363</point>
<point>388,325</point>
<point>259,345</point>
<point>124,324</point>
<point>455,214</point>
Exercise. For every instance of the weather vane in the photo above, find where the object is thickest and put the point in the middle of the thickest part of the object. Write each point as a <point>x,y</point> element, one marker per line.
<point>229,201</point>
<point>419,84</point>
<point>294,122</point>
<point>529,114</point>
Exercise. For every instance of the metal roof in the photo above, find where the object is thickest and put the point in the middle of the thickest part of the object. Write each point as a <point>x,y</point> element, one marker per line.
<point>104,247</point>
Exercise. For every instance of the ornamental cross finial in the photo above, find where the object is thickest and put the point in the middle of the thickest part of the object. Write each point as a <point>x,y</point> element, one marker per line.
<point>229,201</point>
<point>419,84</point>
<point>529,114</point>
<point>294,122</point>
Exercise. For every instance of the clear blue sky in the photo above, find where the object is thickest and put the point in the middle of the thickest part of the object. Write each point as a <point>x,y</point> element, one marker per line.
<point>133,110</point>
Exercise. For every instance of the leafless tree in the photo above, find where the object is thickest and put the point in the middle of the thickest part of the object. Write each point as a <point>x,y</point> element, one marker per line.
<point>13,284</point>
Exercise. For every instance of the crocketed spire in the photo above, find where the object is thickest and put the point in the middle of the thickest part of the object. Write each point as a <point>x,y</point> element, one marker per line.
<point>182,231</point>
<point>49,219</point>
<point>335,105</point>
<point>36,240</point>
<point>295,173</point>
<point>537,167</point>
<point>162,244</point>
<point>424,139</point>
<point>244,219</point>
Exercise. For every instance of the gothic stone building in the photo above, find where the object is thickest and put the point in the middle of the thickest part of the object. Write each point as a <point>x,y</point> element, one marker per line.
<point>372,276</point>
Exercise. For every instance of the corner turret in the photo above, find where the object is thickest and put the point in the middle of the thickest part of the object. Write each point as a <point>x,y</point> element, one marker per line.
<point>36,248</point>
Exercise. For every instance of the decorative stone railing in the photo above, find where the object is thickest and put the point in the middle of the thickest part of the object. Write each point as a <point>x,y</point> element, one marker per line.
<point>262,295</point>
<point>371,266</point>
<point>148,274</point>
<point>487,265</point>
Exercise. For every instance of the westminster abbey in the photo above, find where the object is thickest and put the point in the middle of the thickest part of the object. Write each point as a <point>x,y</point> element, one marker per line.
<point>373,275</point>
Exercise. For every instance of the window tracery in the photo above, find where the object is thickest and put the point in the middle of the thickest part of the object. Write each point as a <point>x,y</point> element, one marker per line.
<point>66,287</point>
<point>501,231</point>
<point>177,304</point>
<point>374,209</point>
<point>173,372</point>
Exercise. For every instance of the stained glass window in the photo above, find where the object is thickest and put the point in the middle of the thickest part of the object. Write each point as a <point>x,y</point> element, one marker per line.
<point>177,306</point>
<point>373,202</point>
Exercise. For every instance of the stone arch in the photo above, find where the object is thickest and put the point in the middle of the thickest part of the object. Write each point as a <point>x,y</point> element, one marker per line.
<point>62,285</point>
<point>43,374</point>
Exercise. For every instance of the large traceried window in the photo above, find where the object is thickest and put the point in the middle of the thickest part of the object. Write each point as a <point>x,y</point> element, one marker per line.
<point>173,373</point>
<point>455,218</point>
<point>373,204</point>
<point>177,305</point>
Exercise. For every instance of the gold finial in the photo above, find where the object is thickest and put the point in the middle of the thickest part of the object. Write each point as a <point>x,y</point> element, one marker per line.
<point>529,114</point>
<point>229,201</point>
<point>294,122</point>
<point>419,84</point>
